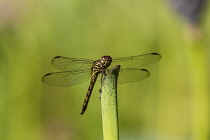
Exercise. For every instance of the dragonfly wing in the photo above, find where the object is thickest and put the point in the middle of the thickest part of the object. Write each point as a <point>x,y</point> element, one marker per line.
<point>68,64</point>
<point>131,75</point>
<point>67,78</point>
<point>136,61</point>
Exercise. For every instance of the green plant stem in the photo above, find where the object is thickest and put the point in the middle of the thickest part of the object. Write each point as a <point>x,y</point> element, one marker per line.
<point>109,105</point>
<point>200,88</point>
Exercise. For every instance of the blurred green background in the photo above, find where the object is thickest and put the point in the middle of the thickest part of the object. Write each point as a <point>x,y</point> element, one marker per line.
<point>172,104</point>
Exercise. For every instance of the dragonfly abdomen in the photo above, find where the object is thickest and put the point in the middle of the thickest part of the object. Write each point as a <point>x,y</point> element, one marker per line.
<point>90,89</point>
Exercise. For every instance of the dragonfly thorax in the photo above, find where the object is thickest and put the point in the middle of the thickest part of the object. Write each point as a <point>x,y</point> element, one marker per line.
<point>100,65</point>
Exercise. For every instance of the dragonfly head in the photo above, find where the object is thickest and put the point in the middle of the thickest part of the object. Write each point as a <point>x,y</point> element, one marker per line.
<point>106,60</point>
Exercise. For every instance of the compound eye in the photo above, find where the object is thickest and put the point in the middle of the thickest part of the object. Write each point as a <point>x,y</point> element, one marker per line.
<point>104,58</point>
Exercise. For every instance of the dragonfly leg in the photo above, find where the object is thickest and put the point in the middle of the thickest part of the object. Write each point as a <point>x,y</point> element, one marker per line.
<point>103,75</point>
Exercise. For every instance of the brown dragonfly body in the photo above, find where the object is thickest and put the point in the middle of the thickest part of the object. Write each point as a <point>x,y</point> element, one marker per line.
<point>99,66</point>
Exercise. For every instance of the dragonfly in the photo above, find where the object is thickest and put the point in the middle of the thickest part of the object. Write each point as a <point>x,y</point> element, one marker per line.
<point>79,70</point>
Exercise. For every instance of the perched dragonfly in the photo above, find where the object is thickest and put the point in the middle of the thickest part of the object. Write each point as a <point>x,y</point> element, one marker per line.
<point>78,70</point>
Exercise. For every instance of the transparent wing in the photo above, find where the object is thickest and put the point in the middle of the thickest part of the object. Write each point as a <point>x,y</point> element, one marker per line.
<point>68,64</point>
<point>131,75</point>
<point>136,61</point>
<point>67,78</point>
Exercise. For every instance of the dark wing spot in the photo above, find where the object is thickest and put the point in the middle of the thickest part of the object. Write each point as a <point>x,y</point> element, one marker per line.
<point>145,70</point>
<point>47,74</point>
<point>155,53</point>
<point>57,57</point>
